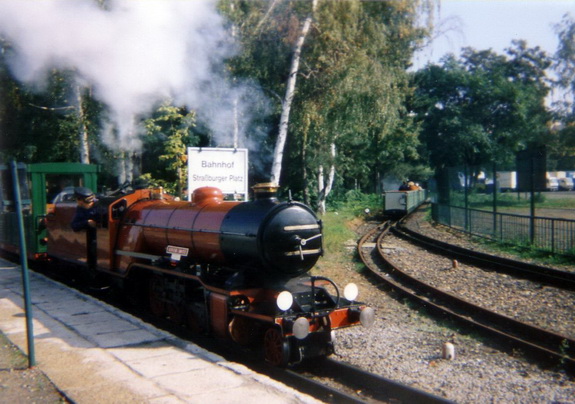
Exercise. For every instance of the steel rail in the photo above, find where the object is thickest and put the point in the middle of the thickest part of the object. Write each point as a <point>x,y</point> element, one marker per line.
<point>353,385</point>
<point>374,388</point>
<point>370,387</point>
<point>537,273</point>
<point>547,347</point>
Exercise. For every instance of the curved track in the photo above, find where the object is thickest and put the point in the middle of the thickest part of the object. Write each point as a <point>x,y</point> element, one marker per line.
<point>536,273</point>
<point>547,347</point>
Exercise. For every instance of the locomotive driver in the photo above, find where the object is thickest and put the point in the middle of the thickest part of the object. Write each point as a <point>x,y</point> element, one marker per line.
<point>86,218</point>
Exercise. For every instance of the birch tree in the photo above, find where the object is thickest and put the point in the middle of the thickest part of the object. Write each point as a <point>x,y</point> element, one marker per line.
<point>289,95</point>
<point>324,188</point>
<point>353,97</point>
<point>341,69</point>
<point>84,145</point>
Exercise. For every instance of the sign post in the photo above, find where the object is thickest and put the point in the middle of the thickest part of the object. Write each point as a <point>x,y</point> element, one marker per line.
<point>226,169</point>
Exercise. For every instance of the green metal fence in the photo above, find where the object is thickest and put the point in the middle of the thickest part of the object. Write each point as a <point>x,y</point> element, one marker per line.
<point>545,233</point>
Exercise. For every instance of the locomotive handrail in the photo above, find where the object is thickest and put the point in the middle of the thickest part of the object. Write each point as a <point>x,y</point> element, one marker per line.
<point>191,228</point>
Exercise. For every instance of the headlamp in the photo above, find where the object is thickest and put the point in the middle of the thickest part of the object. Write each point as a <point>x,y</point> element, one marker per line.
<point>350,292</point>
<point>284,300</point>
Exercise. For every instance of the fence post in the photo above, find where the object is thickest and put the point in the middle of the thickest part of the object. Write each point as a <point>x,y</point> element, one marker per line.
<point>495,188</point>
<point>466,198</point>
<point>553,236</point>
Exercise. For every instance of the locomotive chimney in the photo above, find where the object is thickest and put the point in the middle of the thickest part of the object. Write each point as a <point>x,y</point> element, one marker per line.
<point>265,190</point>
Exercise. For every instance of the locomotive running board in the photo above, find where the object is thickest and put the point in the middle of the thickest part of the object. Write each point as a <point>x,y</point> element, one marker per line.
<point>138,255</point>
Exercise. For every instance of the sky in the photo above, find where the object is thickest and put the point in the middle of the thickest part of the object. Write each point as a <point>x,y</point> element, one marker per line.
<point>493,24</point>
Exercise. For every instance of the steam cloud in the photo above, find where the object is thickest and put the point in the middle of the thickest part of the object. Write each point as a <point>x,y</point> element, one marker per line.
<point>133,54</point>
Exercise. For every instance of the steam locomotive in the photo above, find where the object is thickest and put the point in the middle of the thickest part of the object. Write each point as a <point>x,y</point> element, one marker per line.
<point>234,270</point>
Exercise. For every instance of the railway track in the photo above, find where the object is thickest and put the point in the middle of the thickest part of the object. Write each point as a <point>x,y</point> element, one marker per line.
<point>367,387</point>
<point>548,348</point>
<point>536,273</point>
<point>325,379</point>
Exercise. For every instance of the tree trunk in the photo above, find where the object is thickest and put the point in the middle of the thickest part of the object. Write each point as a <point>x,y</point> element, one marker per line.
<point>236,125</point>
<point>126,167</point>
<point>306,196</point>
<point>284,119</point>
<point>325,190</point>
<point>83,130</point>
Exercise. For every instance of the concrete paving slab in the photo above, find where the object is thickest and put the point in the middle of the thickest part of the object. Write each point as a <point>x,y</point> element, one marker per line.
<point>167,400</point>
<point>169,364</point>
<point>203,381</point>
<point>90,318</point>
<point>143,351</point>
<point>238,396</point>
<point>112,325</point>
<point>125,338</point>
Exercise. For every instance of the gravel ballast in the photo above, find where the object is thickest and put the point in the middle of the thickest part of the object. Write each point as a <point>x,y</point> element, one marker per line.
<point>406,345</point>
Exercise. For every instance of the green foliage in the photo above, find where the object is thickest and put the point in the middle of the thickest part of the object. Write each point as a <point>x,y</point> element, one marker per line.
<point>355,203</point>
<point>169,134</point>
<point>562,147</point>
<point>354,90</point>
<point>351,87</point>
<point>564,63</point>
<point>37,126</point>
<point>483,107</point>
<point>350,92</point>
<point>339,222</point>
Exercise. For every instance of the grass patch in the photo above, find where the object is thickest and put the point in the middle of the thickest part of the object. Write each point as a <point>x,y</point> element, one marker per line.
<point>341,220</point>
<point>11,356</point>
<point>339,227</point>
<point>514,200</point>
<point>525,251</point>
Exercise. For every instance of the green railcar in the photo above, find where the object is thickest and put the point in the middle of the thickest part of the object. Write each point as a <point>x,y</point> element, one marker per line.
<point>401,203</point>
<point>40,184</point>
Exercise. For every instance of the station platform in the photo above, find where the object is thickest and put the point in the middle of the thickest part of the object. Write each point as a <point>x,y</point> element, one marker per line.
<point>95,353</point>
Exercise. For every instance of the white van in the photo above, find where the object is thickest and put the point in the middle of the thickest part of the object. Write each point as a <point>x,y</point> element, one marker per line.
<point>552,184</point>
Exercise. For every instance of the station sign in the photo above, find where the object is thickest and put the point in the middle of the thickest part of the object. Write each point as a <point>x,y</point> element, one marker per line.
<point>223,168</point>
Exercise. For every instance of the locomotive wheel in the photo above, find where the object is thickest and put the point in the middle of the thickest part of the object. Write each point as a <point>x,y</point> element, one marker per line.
<point>276,347</point>
<point>155,298</point>
<point>241,330</point>
<point>193,321</point>
<point>175,313</point>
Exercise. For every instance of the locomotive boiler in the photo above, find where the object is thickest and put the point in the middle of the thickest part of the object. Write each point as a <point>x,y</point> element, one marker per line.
<point>234,270</point>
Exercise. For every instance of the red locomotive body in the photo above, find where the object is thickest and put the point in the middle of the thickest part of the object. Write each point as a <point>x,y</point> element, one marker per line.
<point>235,270</point>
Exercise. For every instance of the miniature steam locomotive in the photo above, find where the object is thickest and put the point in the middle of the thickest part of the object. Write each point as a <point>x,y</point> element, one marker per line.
<point>234,270</point>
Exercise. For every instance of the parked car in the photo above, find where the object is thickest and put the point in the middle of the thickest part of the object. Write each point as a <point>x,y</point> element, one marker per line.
<point>565,184</point>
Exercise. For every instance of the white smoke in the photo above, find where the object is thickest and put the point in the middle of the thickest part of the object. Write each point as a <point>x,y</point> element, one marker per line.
<point>132,54</point>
